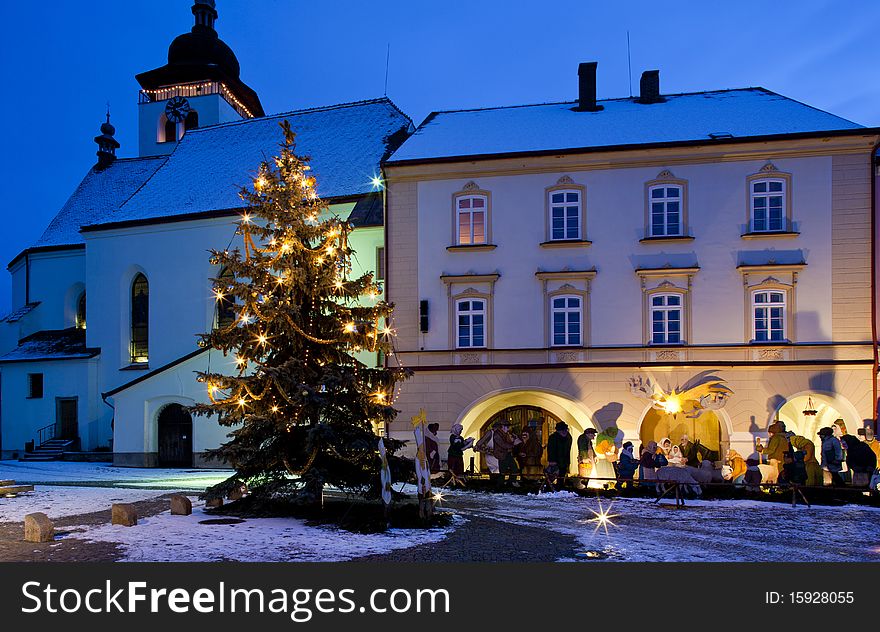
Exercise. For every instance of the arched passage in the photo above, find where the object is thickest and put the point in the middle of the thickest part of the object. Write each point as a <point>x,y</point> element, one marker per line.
<point>827,406</point>
<point>528,403</point>
<point>175,436</point>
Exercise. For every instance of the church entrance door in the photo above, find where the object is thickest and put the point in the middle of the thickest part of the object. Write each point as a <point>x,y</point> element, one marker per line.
<point>175,437</point>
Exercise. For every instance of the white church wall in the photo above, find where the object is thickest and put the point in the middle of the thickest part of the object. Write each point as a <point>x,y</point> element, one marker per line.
<point>23,417</point>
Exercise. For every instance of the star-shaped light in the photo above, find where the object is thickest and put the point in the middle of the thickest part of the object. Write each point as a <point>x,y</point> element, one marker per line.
<point>377,183</point>
<point>602,518</point>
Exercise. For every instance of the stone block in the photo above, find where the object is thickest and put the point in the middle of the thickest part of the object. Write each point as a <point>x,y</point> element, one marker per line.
<point>181,505</point>
<point>214,503</point>
<point>38,528</point>
<point>124,514</point>
<point>237,493</point>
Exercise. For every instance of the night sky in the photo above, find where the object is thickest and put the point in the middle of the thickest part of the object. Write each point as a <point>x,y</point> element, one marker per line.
<point>63,60</point>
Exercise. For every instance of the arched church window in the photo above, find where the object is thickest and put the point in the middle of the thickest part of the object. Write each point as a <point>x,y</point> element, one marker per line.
<point>225,301</point>
<point>191,121</point>
<point>81,311</point>
<point>140,319</point>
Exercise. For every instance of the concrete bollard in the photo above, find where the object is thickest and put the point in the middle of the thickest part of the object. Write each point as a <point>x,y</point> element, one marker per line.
<point>38,528</point>
<point>181,505</point>
<point>124,514</point>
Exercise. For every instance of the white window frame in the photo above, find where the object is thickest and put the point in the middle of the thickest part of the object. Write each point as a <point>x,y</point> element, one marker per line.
<point>665,309</point>
<point>665,200</point>
<point>470,313</point>
<point>767,306</point>
<point>563,206</point>
<point>766,195</point>
<point>567,311</point>
<point>469,213</point>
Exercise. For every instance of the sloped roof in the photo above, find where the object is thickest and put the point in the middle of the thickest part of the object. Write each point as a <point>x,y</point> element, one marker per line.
<point>16,315</point>
<point>204,173</point>
<point>99,193</point>
<point>60,344</point>
<point>368,211</point>
<point>746,112</point>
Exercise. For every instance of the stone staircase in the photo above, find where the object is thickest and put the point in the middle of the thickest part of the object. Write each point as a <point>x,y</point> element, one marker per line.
<point>9,488</point>
<point>51,450</point>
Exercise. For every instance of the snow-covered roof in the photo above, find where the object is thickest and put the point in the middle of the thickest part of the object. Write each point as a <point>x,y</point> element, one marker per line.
<point>16,315</point>
<point>99,193</point>
<point>694,117</point>
<point>347,142</point>
<point>61,344</point>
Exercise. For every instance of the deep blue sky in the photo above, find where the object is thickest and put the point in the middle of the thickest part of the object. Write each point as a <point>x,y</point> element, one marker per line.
<point>63,60</point>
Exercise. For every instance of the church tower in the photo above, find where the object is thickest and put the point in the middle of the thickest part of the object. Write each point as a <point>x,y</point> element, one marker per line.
<point>199,86</point>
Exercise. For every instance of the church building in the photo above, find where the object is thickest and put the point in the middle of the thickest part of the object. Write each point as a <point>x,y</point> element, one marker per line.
<point>99,352</point>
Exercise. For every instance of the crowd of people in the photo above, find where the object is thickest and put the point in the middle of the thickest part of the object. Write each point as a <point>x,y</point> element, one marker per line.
<point>786,459</point>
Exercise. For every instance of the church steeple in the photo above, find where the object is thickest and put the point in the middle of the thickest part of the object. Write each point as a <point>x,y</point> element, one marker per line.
<point>107,145</point>
<point>200,85</point>
<point>205,12</point>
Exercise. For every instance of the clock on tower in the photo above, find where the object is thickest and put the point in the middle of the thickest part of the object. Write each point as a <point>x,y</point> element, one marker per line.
<point>176,109</point>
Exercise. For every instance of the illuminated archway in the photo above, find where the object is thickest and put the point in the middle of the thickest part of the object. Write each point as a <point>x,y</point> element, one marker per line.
<point>558,405</point>
<point>828,407</point>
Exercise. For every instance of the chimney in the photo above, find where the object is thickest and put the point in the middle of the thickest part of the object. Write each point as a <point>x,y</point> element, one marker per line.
<point>587,87</point>
<point>649,87</point>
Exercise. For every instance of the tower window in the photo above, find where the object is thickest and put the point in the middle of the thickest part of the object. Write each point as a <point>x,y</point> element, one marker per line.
<point>168,130</point>
<point>191,121</point>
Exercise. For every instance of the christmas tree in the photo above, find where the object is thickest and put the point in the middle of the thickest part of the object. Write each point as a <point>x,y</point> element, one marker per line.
<point>303,409</point>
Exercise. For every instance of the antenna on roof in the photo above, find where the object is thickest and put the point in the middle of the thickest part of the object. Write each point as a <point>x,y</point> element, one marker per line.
<point>387,58</point>
<point>629,65</point>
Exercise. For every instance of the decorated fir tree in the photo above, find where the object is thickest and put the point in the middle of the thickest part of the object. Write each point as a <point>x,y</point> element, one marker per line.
<point>302,409</point>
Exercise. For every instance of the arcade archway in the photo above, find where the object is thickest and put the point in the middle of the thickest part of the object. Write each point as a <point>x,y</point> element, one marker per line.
<point>547,406</point>
<point>795,414</point>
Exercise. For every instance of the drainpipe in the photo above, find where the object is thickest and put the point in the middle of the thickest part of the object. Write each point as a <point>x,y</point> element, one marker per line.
<point>873,174</point>
<point>112,419</point>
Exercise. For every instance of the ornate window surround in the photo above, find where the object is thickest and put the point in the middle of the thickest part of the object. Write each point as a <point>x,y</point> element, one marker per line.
<point>763,277</point>
<point>770,172</point>
<point>567,277</point>
<point>468,281</point>
<point>665,275</point>
<point>469,189</point>
<point>666,177</point>
<point>565,183</point>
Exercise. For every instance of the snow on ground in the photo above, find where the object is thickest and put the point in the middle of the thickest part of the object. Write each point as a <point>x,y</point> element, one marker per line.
<point>104,474</point>
<point>732,530</point>
<point>58,501</point>
<point>167,538</point>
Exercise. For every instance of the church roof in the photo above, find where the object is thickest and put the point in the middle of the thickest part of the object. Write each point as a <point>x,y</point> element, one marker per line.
<point>99,193</point>
<point>60,344</point>
<point>699,117</point>
<point>347,142</point>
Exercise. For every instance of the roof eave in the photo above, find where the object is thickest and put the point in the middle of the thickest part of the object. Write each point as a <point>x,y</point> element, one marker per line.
<point>36,249</point>
<point>861,131</point>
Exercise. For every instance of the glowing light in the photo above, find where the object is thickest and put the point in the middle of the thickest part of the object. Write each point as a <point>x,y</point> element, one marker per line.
<point>245,218</point>
<point>240,361</point>
<point>602,518</point>
<point>350,328</point>
<point>218,295</point>
<point>373,296</point>
<point>437,497</point>
<point>377,183</point>
<point>262,339</point>
<point>320,260</point>
<point>260,182</point>
<point>331,249</point>
<point>387,331</point>
<point>274,409</point>
<point>671,405</point>
<point>337,284</point>
<point>380,396</point>
<point>241,402</point>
